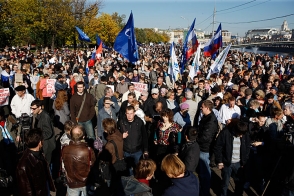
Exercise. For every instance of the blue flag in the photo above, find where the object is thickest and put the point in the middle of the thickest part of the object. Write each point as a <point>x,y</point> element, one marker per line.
<point>125,42</point>
<point>190,36</point>
<point>82,35</point>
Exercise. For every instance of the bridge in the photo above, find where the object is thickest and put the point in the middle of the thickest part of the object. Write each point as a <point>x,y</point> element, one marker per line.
<point>268,46</point>
<point>286,44</point>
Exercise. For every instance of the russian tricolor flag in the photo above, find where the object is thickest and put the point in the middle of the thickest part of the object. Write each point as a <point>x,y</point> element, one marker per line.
<point>99,47</point>
<point>91,62</point>
<point>191,36</point>
<point>216,42</point>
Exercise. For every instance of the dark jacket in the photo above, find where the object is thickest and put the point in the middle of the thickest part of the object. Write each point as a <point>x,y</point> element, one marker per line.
<point>137,136</point>
<point>149,106</point>
<point>187,185</point>
<point>223,149</point>
<point>132,186</point>
<point>257,134</point>
<point>78,159</point>
<point>246,105</point>
<point>190,155</point>
<point>207,128</point>
<point>88,110</point>
<point>45,124</point>
<point>60,86</point>
<point>32,174</point>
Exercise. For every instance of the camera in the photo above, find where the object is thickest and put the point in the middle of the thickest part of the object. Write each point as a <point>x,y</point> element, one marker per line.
<point>61,179</point>
<point>289,128</point>
<point>24,120</point>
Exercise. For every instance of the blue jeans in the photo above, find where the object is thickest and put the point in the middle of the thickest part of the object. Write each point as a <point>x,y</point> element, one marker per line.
<point>77,191</point>
<point>236,172</point>
<point>132,160</point>
<point>204,173</point>
<point>89,129</point>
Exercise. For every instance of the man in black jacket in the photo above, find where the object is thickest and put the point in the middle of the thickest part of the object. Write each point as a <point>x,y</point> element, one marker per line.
<point>207,127</point>
<point>136,141</point>
<point>190,150</point>
<point>231,153</point>
<point>43,122</point>
<point>32,172</point>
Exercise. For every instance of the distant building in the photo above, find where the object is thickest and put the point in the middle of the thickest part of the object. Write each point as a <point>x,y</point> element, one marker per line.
<point>226,36</point>
<point>284,26</point>
<point>176,35</point>
<point>199,34</point>
<point>261,33</point>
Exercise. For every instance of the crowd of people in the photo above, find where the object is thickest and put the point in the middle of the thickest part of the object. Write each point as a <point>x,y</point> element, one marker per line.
<point>67,126</point>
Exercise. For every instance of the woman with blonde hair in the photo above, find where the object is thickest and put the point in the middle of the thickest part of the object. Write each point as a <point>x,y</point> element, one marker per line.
<point>259,94</point>
<point>61,110</point>
<point>184,182</point>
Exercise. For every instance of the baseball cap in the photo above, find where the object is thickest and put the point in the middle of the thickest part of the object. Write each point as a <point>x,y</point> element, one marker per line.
<point>154,91</point>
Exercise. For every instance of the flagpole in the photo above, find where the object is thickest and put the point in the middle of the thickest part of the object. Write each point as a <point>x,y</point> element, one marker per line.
<point>213,22</point>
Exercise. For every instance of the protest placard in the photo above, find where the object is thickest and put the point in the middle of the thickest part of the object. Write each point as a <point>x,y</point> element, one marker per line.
<point>51,85</point>
<point>140,86</point>
<point>18,78</point>
<point>4,96</point>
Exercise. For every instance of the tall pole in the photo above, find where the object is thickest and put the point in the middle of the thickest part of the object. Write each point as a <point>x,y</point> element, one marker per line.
<point>213,22</point>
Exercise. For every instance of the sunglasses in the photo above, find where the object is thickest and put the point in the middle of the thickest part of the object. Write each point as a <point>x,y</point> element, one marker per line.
<point>34,108</point>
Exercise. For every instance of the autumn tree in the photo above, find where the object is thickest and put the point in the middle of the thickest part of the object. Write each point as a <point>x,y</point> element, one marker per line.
<point>119,19</point>
<point>107,28</point>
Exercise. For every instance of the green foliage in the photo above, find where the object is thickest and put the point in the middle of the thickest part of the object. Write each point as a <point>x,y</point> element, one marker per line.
<point>52,22</point>
<point>149,35</point>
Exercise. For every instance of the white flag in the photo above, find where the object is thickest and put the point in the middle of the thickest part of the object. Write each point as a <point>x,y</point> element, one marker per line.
<point>196,63</point>
<point>219,61</point>
<point>173,68</point>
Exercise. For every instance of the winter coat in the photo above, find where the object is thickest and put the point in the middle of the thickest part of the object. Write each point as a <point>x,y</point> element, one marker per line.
<point>190,155</point>
<point>187,185</point>
<point>208,127</point>
<point>223,149</point>
<point>133,187</point>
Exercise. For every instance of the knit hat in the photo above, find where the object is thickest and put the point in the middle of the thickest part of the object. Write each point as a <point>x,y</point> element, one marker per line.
<point>184,106</point>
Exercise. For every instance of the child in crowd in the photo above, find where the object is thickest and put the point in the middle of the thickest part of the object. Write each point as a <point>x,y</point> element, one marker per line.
<point>65,138</point>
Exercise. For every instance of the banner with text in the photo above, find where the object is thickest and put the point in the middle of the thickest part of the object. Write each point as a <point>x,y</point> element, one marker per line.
<point>4,96</point>
<point>140,86</point>
<point>51,85</point>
